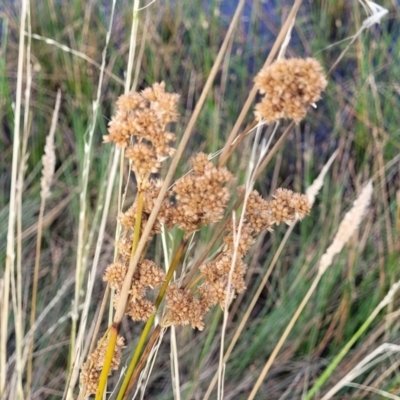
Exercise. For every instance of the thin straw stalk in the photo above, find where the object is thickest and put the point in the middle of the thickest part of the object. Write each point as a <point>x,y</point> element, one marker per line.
<point>10,252</point>
<point>335,362</point>
<point>362,366</point>
<point>81,259</point>
<point>114,330</point>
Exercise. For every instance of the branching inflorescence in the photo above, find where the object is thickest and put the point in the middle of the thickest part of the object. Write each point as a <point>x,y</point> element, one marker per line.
<point>197,199</point>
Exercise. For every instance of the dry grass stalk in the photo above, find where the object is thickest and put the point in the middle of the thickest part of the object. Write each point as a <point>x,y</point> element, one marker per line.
<point>10,252</point>
<point>76,339</point>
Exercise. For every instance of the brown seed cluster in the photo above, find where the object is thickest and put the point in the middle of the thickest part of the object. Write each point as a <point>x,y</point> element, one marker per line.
<point>185,307</point>
<point>147,275</point>
<point>139,125</point>
<point>285,206</point>
<point>200,196</point>
<point>151,189</point>
<point>289,86</point>
<point>260,215</point>
<point>91,370</point>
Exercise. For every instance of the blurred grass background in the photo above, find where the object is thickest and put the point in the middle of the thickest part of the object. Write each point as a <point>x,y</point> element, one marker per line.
<point>178,41</point>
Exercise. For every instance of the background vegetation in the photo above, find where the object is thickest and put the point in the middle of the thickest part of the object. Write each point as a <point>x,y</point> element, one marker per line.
<point>177,42</point>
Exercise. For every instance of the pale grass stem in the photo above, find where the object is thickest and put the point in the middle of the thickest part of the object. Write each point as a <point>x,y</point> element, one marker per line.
<point>82,251</point>
<point>10,252</point>
<point>75,53</point>
<point>176,387</point>
<point>385,350</point>
<point>254,164</point>
<point>17,288</point>
<point>150,361</point>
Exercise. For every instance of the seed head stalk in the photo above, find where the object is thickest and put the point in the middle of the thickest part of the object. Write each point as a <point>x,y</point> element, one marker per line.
<point>114,330</point>
<point>127,380</point>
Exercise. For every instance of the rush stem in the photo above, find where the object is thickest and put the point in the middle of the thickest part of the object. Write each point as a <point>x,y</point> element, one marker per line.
<point>114,330</point>
<point>150,321</point>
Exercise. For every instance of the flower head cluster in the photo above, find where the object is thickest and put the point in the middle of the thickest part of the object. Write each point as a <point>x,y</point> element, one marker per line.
<point>139,125</point>
<point>147,275</point>
<point>289,86</point>
<point>150,191</point>
<point>229,268</point>
<point>285,206</point>
<point>201,198</point>
<point>183,308</point>
<point>260,215</point>
<point>91,370</point>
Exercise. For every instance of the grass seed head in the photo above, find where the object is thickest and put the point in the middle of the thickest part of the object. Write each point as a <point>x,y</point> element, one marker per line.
<point>289,86</point>
<point>201,198</point>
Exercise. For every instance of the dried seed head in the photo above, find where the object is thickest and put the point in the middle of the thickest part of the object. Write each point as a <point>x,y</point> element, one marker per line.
<point>216,291</point>
<point>246,240</point>
<point>140,309</point>
<point>144,160</point>
<point>124,245</point>
<point>258,211</point>
<point>289,86</point>
<point>301,205</point>
<point>216,275</point>
<point>165,104</point>
<point>115,274</point>
<point>97,357</point>
<point>91,369</point>
<point>286,206</point>
<point>90,378</point>
<point>200,196</point>
<point>149,274</point>
<point>140,124</point>
<point>183,308</point>
<point>151,189</point>
<point>130,102</point>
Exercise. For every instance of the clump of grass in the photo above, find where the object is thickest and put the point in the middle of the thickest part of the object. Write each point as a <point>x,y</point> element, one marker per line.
<point>197,199</point>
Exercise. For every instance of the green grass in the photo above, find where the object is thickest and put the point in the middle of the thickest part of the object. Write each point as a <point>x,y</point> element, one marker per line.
<point>358,115</point>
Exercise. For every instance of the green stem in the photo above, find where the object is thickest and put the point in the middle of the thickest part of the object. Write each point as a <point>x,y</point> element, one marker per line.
<point>112,339</point>
<point>115,327</point>
<point>335,362</point>
<point>150,321</point>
